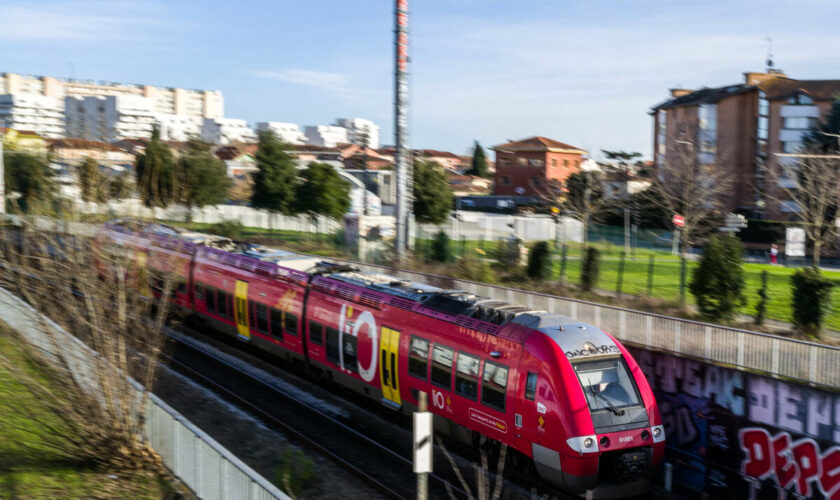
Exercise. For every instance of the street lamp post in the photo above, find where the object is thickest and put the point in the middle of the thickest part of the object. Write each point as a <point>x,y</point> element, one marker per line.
<point>2,169</point>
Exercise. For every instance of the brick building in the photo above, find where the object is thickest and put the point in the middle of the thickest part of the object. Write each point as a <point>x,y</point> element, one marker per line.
<point>530,166</point>
<point>739,128</point>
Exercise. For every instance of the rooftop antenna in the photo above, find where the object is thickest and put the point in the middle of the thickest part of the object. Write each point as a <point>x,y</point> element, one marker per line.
<point>769,54</point>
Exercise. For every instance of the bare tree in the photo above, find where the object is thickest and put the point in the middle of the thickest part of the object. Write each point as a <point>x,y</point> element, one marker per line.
<point>485,490</point>
<point>584,197</point>
<point>93,292</point>
<point>812,185</point>
<point>691,188</point>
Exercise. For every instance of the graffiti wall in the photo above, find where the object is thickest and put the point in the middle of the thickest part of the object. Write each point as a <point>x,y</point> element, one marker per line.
<point>733,434</point>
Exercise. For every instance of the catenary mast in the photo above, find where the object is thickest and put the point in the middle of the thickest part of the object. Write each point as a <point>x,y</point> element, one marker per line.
<point>403,159</point>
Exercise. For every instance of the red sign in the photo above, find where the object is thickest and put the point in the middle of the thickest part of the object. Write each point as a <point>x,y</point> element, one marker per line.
<point>678,220</point>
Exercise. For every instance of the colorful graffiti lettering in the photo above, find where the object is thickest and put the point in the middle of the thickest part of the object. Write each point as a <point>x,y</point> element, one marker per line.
<point>795,464</point>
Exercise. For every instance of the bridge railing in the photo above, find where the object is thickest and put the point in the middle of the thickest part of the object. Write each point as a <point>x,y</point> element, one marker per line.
<point>771,354</point>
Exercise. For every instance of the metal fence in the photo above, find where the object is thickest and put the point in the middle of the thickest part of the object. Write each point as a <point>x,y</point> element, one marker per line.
<point>201,463</point>
<point>777,356</point>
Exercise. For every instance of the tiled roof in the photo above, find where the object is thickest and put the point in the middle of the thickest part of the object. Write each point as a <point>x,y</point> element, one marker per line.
<point>782,88</point>
<point>436,153</point>
<point>81,144</point>
<point>775,88</point>
<point>536,143</point>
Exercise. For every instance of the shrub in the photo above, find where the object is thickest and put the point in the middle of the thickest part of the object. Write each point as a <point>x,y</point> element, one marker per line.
<point>717,282</point>
<point>811,295</point>
<point>474,268</point>
<point>539,262</point>
<point>590,268</point>
<point>296,472</point>
<point>508,253</point>
<point>761,306</point>
<point>228,228</point>
<point>441,250</point>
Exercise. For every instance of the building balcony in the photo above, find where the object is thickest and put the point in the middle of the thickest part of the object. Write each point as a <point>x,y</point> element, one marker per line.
<point>800,112</point>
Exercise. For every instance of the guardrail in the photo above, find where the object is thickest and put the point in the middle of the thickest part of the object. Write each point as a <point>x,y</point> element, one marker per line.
<point>777,356</point>
<point>206,467</point>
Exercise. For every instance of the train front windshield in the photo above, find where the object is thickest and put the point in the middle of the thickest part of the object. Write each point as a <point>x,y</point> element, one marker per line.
<point>607,384</point>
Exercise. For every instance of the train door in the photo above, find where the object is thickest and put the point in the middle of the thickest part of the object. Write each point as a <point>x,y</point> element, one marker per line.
<point>388,374</point>
<point>530,415</point>
<point>240,309</point>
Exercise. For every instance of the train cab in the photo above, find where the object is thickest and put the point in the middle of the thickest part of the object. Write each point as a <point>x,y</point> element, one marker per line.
<point>597,423</point>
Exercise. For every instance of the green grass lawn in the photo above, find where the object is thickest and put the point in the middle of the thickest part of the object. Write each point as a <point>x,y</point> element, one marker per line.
<point>29,468</point>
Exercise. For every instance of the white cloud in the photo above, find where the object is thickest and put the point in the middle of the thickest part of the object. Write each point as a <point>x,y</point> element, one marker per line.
<point>336,82</point>
<point>79,21</point>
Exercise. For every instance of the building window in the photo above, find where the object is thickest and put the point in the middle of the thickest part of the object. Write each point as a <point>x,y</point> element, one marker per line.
<point>522,161</point>
<point>577,164</point>
<point>505,180</point>
<point>762,127</point>
<point>798,123</point>
<point>554,162</point>
<point>535,181</point>
<point>535,162</point>
<point>791,147</point>
<point>565,163</point>
<point>800,99</point>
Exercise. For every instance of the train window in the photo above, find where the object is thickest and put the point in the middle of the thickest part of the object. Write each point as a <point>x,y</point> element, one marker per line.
<point>418,362</point>
<point>276,323</point>
<point>262,317</point>
<point>531,386</point>
<point>349,342</point>
<point>466,376</point>
<point>332,345</point>
<point>442,366</point>
<point>211,300</point>
<point>182,286</point>
<point>199,292</point>
<point>494,386</point>
<point>223,304</point>
<point>316,333</point>
<point>291,324</point>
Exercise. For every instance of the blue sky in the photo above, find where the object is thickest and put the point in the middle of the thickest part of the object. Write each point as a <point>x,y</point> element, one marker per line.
<point>583,72</point>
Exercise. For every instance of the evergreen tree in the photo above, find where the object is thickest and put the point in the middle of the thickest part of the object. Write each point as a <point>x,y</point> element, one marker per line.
<point>120,186</point>
<point>479,162</point>
<point>203,177</point>
<point>155,171</point>
<point>539,262</point>
<point>811,300</point>
<point>818,141</point>
<point>276,180</point>
<point>432,194</point>
<point>91,181</point>
<point>717,283</point>
<point>323,192</point>
<point>30,176</point>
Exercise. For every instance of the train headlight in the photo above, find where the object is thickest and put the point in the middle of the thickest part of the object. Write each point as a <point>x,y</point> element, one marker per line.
<point>583,444</point>
<point>658,432</point>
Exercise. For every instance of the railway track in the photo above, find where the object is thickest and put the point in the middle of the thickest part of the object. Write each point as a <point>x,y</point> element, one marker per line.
<point>387,470</point>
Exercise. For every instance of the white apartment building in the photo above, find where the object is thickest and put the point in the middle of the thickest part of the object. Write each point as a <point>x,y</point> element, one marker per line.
<point>287,132</point>
<point>360,131</point>
<point>190,107</point>
<point>327,136</point>
<point>178,127</point>
<point>109,119</point>
<point>38,113</point>
<point>226,130</point>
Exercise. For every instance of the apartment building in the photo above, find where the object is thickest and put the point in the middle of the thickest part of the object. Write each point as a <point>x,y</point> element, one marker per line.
<point>360,131</point>
<point>741,128</point>
<point>534,166</point>
<point>287,132</point>
<point>109,119</point>
<point>226,130</point>
<point>39,101</point>
<point>327,136</point>
<point>40,114</point>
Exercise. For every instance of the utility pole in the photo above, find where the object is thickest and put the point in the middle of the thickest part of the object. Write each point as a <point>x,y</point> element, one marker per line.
<point>2,169</point>
<point>403,164</point>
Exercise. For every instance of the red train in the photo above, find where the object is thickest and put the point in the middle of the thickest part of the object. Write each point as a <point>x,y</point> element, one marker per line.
<point>565,394</point>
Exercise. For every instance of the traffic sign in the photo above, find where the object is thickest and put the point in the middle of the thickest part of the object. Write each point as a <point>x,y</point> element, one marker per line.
<point>678,220</point>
